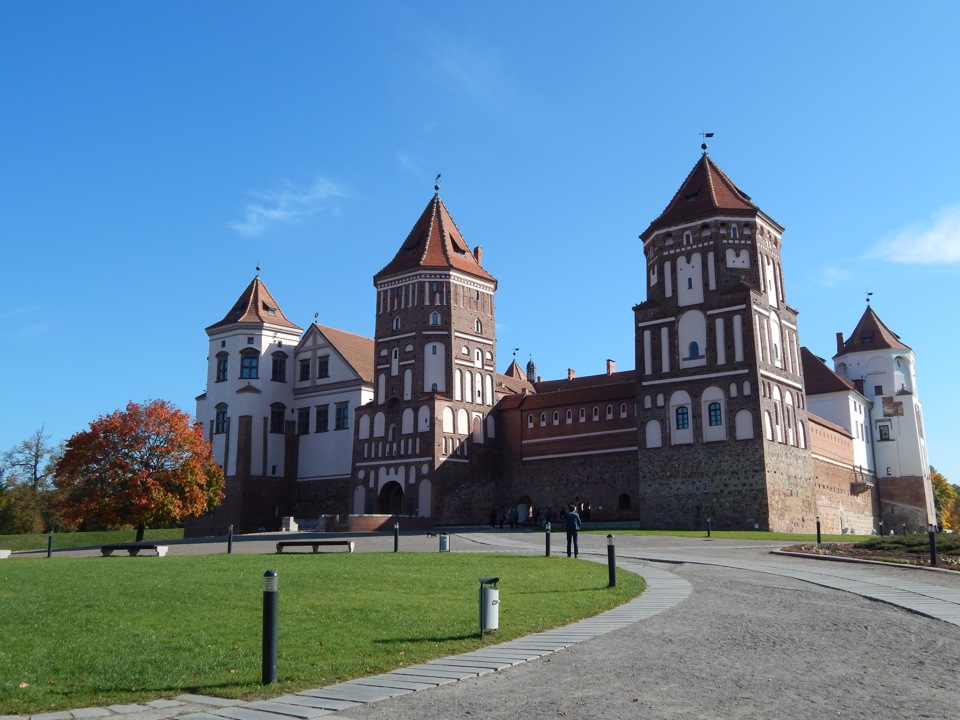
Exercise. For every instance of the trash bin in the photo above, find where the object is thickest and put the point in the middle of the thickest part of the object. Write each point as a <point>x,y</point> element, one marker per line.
<point>489,604</point>
<point>444,542</point>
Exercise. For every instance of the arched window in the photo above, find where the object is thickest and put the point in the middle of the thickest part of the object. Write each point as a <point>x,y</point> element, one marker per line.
<point>249,364</point>
<point>222,366</point>
<point>583,415</point>
<point>478,326</point>
<point>694,350</point>
<point>623,502</point>
<point>396,323</point>
<point>609,412</point>
<point>596,413</point>
<point>543,419</point>
<point>683,418</point>
<point>623,408</point>
<point>220,423</point>
<point>734,232</point>
<point>569,416</point>
<point>556,417</point>
<point>434,318</point>
<point>713,412</point>
<point>530,420</point>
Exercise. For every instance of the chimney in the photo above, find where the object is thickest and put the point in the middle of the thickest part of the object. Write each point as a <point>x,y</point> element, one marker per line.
<point>571,373</point>
<point>839,343</point>
<point>478,255</point>
<point>611,367</point>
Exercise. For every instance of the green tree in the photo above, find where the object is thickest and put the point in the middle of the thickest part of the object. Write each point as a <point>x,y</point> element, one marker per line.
<point>944,500</point>
<point>145,465</point>
<point>26,471</point>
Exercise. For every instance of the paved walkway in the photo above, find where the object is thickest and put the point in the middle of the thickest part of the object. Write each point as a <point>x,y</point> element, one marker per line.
<point>934,595</point>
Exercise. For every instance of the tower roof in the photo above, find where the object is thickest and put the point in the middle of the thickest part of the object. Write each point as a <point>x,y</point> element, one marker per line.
<point>357,350</point>
<point>870,334</point>
<point>435,242</point>
<point>706,191</point>
<point>255,305</point>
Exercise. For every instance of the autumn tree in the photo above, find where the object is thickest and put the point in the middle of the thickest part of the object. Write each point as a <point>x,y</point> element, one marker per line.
<point>26,470</point>
<point>944,500</point>
<point>145,465</point>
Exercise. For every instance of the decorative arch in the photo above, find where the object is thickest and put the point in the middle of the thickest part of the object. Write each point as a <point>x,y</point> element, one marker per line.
<point>692,339</point>
<point>653,434</point>
<point>390,499</point>
<point>743,425</point>
<point>713,414</point>
<point>379,424</point>
<point>681,422</point>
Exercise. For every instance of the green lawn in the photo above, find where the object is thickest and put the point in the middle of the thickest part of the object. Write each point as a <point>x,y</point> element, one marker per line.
<point>38,541</point>
<point>80,632</point>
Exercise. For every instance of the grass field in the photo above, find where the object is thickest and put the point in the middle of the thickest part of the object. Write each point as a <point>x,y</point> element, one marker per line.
<point>80,632</point>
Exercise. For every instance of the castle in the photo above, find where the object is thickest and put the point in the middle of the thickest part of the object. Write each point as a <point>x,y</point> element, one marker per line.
<point>726,417</point>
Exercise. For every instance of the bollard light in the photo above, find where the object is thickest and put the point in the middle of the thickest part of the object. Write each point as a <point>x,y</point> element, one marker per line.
<point>270,617</point>
<point>229,539</point>
<point>818,529</point>
<point>709,522</point>
<point>932,535</point>
<point>547,528</point>
<point>396,537</point>
<point>611,561</point>
<point>50,544</point>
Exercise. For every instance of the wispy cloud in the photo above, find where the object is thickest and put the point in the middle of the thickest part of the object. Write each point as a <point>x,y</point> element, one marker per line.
<point>287,205</point>
<point>472,71</point>
<point>934,241</point>
<point>832,276</point>
<point>25,322</point>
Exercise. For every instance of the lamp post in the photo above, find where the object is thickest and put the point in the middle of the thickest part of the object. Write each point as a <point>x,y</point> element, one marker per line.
<point>611,561</point>
<point>270,615</point>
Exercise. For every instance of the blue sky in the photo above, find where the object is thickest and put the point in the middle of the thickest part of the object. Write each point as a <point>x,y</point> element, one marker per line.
<point>155,153</point>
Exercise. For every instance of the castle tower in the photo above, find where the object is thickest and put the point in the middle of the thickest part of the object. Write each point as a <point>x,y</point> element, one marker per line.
<point>720,399</point>
<point>246,411</point>
<point>883,369</point>
<point>434,367</point>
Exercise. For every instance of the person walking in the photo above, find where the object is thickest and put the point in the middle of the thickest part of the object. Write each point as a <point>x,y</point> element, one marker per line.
<point>572,521</point>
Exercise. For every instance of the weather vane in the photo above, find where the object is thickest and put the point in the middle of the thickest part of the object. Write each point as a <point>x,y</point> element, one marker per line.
<point>703,145</point>
<point>868,297</point>
<point>515,353</point>
<point>258,268</point>
<point>436,183</point>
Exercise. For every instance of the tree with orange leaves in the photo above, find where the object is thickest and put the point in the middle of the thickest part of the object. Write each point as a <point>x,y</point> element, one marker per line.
<point>148,464</point>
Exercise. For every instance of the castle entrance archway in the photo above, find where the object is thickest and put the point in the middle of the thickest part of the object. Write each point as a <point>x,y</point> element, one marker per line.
<point>390,500</point>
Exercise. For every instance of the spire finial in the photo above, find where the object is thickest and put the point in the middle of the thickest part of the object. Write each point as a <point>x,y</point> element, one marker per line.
<point>703,145</point>
<point>258,268</point>
<point>436,183</point>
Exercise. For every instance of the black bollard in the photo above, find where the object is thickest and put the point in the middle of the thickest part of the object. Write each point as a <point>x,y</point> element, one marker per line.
<point>229,539</point>
<point>50,544</point>
<point>611,561</point>
<point>546,527</point>
<point>933,546</point>
<point>708,527</point>
<point>396,537</point>
<point>818,529</point>
<point>270,616</point>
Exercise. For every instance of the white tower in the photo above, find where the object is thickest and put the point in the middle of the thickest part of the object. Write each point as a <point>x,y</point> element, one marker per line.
<point>884,371</point>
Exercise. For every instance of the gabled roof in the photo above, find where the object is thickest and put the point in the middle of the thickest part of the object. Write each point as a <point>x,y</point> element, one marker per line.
<point>357,350</point>
<point>819,379</point>
<point>706,191</point>
<point>255,305</point>
<point>870,334</point>
<point>435,242</point>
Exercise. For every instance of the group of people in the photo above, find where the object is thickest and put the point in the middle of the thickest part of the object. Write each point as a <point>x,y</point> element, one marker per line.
<point>570,518</point>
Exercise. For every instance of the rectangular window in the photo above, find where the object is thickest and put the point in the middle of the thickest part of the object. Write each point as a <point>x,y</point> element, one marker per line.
<point>280,369</point>
<point>303,421</point>
<point>714,415</point>
<point>323,418</point>
<point>878,389</point>
<point>276,420</point>
<point>250,367</point>
<point>323,366</point>
<point>683,418</point>
<point>884,431</point>
<point>304,370</point>
<point>221,369</point>
<point>220,424</point>
<point>343,416</point>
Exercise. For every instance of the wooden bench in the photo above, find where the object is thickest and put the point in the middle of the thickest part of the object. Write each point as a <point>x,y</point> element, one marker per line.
<point>315,544</point>
<point>134,549</point>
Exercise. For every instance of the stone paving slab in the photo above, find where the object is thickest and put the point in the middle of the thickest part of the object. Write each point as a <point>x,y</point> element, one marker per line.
<point>297,711</point>
<point>308,700</point>
<point>390,681</point>
<point>208,700</point>
<point>437,671</point>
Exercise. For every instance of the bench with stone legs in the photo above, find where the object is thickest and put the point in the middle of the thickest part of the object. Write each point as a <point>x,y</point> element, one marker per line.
<point>315,544</point>
<point>4,554</point>
<point>133,549</point>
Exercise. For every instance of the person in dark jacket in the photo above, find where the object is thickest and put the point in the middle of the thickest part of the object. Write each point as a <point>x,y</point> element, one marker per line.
<point>572,521</point>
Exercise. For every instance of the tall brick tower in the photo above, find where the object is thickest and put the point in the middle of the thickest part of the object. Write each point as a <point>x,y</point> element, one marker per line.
<point>720,400</point>
<point>420,445</point>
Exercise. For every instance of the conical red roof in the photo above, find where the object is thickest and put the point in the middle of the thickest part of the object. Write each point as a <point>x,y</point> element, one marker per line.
<point>706,191</point>
<point>435,242</point>
<point>255,305</point>
<point>871,334</point>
